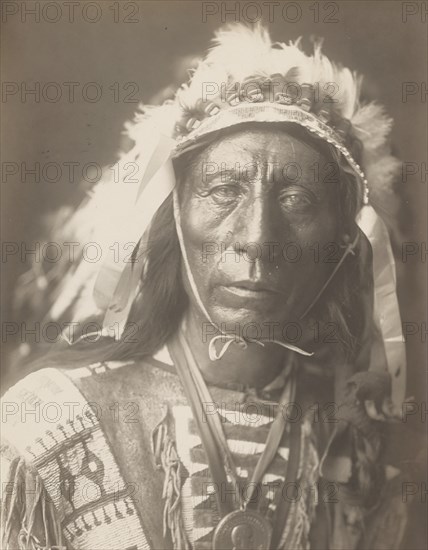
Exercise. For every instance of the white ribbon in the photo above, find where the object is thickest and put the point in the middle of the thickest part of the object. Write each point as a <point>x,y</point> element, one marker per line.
<point>386,309</point>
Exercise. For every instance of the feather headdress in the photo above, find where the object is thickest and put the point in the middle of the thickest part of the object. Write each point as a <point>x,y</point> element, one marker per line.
<point>244,77</point>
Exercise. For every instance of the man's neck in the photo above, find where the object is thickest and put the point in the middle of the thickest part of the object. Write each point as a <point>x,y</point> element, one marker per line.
<point>255,366</point>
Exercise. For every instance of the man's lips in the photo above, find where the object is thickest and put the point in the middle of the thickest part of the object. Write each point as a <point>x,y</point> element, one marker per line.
<point>237,292</point>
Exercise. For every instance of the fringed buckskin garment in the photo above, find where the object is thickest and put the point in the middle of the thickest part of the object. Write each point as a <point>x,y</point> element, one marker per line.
<point>124,468</point>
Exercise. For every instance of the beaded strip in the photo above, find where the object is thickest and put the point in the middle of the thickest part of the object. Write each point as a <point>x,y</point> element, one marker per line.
<point>270,112</point>
<point>55,430</point>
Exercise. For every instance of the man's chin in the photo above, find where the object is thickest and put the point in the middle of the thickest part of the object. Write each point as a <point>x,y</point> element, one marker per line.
<point>248,322</point>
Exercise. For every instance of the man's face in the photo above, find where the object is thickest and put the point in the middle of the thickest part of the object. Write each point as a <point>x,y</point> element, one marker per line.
<point>259,224</point>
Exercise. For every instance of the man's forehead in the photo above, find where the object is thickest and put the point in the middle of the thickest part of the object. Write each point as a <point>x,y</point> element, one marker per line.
<point>268,145</point>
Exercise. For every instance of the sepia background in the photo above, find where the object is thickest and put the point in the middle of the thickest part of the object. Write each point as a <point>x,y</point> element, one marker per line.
<point>134,50</point>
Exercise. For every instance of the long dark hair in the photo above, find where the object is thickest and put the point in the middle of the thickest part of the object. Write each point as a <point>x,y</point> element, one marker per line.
<point>162,300</point>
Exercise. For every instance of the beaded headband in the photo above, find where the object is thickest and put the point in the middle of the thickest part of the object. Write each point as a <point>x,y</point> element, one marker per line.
<point>280,111</point>
<point>262,90</point>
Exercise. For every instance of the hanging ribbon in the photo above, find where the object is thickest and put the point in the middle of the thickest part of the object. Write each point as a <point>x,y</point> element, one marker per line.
<point>118,281</point>
<point>386,309</point>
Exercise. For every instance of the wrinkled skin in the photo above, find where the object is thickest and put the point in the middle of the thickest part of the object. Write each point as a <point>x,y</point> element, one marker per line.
<point>228,217</point>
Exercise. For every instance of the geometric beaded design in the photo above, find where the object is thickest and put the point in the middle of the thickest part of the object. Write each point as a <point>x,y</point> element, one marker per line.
<point>56,431</point>
<point>246,434</point>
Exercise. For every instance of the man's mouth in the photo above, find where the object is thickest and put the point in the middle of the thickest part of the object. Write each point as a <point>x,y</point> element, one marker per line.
<point>237,292</point>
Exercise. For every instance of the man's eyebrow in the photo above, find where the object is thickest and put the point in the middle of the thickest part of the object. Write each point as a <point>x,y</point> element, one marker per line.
<point>208,175</point>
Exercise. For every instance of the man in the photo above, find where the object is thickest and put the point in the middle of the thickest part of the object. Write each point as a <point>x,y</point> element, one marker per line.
<point>246,401</point>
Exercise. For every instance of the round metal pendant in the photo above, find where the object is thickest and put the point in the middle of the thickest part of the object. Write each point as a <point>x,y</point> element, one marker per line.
<point>242,530</point>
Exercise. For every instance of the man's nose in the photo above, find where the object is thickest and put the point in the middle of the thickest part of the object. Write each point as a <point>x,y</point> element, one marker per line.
<point>258,229</point>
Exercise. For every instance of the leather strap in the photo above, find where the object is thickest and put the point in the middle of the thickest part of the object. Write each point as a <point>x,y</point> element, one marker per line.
<point>215,461</point>
<point>291,476</point>
<point>211,431</point>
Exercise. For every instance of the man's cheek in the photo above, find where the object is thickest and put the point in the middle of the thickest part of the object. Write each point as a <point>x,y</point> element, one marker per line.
<point>202,261</point>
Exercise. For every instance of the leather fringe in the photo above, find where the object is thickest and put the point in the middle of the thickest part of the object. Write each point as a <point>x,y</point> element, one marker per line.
<point>167,459</point>
<point>28,515</point>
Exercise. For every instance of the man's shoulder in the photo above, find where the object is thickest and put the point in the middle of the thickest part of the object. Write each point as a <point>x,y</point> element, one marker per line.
<point>69,426</point>
<point>146,379</point>
<point>59,403</point>
<point>56,379</point>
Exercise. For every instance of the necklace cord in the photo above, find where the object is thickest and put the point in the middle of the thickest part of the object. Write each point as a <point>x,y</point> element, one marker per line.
<point>349,249</point>
<point>214,459</point>
<point>211,431</point>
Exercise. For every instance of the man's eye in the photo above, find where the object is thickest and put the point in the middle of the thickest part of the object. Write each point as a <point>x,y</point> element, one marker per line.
<point>296,200</point>
<point>225,193</point>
